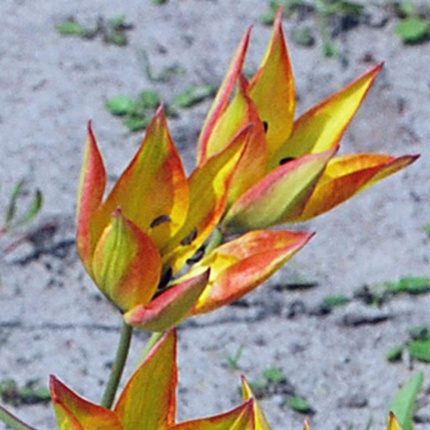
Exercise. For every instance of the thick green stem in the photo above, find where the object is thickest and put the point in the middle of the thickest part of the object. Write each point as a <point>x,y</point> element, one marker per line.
<point>118,366</point>
<point>153,340</point>
<point>12,421</point>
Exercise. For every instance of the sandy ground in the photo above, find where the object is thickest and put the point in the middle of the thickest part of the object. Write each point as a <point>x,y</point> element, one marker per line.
<point>52,318</point>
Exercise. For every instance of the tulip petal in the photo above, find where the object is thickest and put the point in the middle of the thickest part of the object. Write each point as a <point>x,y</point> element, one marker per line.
<point>126,264</point>
<point>272,90</point>
<point>90,196</point>
<point>240,418</point>
<point>322,127</point>
<point>307,426</point>
<point>393,424</point>
<point>153,190</point>
<point>209,185</point>
<point>259,417</point>
<point>148,402</point>
<point>239,266</point>
<point>75,413</point>
<point>346,176</point>
<point>279,197</point>
<point>170,307</point>
<point>222,98</point>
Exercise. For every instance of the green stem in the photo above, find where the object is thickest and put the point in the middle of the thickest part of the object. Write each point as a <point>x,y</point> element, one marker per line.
<point>153,340</point>
<point>12,421</point>
<point>118,366</point>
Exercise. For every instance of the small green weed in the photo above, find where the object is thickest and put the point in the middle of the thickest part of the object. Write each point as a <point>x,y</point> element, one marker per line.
<point>112,31</point>
<point>233,360</point>
<point>30,394</point>
<point>414,26</point>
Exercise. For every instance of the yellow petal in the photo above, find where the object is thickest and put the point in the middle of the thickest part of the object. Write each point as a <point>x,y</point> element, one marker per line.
<point>209,186</point>
<point>90,196</point>
<point>148,401</point>
<point>126,264</point>
<point>75,413</point>
<point>153,190</point>
<point>259,417</point>
<point>239,266</point>
<point>240,418</point>
<point>170,307</point>
<point>222,98</point>
<point>393,424</point>
<point>279,197</point>
<point>253,163</point>
<point>272,90</point>
<point>322,127</point>
<point>347,176</point>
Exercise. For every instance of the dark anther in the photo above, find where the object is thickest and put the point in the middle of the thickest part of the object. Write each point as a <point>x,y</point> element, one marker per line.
<point>160,220</point>
<point>165,278</point>
<point>197,256</point>
<point>266,126</point>
<point>286,160</point>
<point>188,240</point>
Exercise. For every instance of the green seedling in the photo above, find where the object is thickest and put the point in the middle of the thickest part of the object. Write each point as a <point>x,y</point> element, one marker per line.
<point>394,354</point>
<point>137,112</point>
<point>29,394</point>
<point>427,229</point>
<point>113,31</point>
<point>12,220</point>
<point>404,403</point>
<point>409,285</point>
<point>413,27</point>
<point>233,360</point>
<point>274,375</point>
<point>299,404</point>
<point>421,332</point>
<point>195,95</point>
<point>159,2</point>
<point>420,350</point>
<point>335,301</point>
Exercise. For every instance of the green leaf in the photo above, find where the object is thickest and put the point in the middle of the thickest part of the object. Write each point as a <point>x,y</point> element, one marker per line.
<point>71,28</point>
<point>11,209</point>
<point>121,105</point>
<point>413,30</point>
<point>410,285</point>
<point>137,123</point>
<point>116,38</point>
<point>195,95</point>
<point>394,354</point>
<point>33,210</point>
<point>420,349</point>
<point>404,402</point>
<point>150,99</point>
<point>420,332</point>
<point>274,375</point>
<point>427,229</point>
<point>159,2</point>
<point>335,301</point>
<point>299,404</point>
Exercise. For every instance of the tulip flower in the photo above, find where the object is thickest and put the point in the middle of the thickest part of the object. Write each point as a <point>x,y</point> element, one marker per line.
<point>148,401</point>
<point>288,172</point>
<point>149,224</point>
<point>155,219</point>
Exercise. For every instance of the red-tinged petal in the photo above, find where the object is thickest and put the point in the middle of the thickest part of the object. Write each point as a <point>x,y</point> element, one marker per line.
<point>153,190</point>
<point>253,164</point>
<point>272,90</point>
<point>279,197</point>
<point>126,264</point>
<point>241,265</point>
<point>209,185</point>
<point>222,98</point>
<point>322,127</point>
<point>307,426</point>
<point>75,413</point>
<point>170,307</point>
<point>393,424</point>
<point>90,196</point>
<point>346,176</point>
<point>148,402</point>
<point>259,417</point>
<point>240,418</point>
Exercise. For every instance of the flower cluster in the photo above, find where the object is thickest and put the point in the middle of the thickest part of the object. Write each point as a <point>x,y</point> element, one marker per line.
<point>163,246</point>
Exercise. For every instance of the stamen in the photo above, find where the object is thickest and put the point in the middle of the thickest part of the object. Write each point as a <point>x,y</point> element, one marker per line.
<point>266,126</point>
<point>188,240</point>
<point>286,160</point>
<point>160,220</point>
